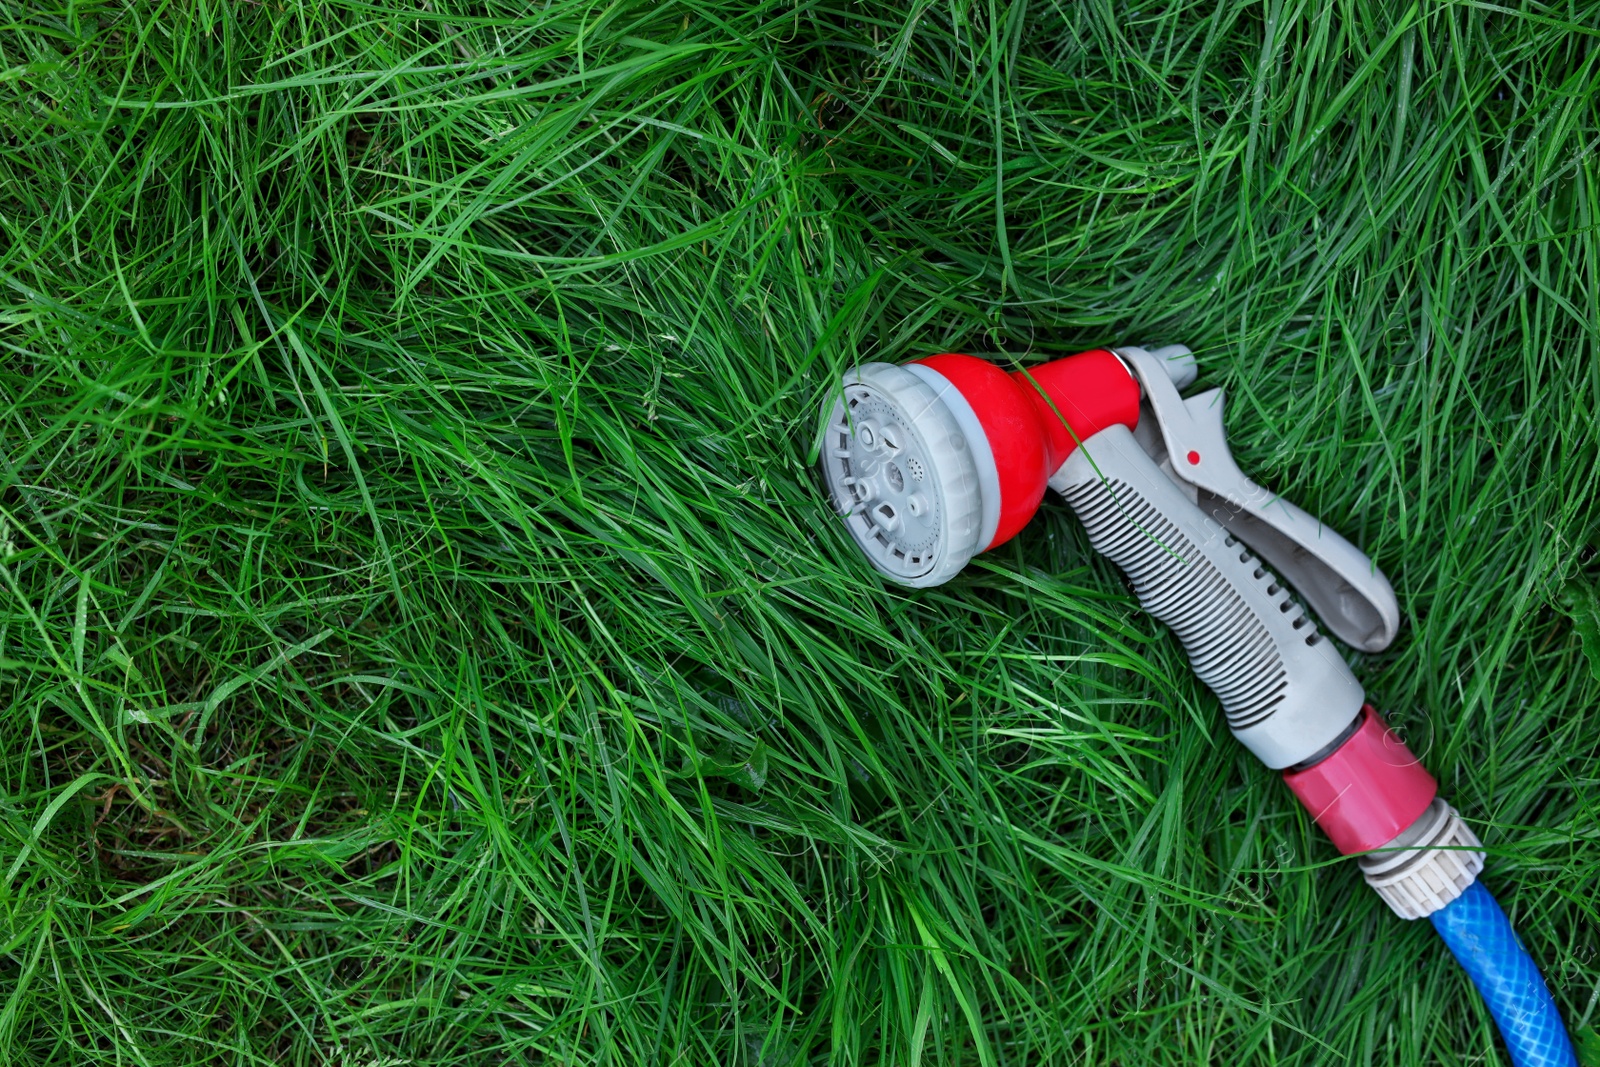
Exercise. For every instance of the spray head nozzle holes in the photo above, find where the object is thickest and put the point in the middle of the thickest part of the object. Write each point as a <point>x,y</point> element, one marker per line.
<point>902,473</point>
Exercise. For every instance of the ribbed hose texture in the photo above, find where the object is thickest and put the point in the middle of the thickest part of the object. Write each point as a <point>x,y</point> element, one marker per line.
<point>1481,938</point>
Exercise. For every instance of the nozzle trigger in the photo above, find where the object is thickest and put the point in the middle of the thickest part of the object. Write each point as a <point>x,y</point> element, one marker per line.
<point>1346,589</point>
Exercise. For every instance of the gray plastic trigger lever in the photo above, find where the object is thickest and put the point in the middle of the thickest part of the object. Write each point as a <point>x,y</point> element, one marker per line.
<point>1345,588</point>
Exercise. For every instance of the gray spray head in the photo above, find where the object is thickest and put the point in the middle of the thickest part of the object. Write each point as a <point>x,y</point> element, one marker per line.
<point>904,474</point>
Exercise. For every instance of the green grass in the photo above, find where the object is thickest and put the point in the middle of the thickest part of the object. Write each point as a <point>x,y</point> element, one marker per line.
<point>423,638</point>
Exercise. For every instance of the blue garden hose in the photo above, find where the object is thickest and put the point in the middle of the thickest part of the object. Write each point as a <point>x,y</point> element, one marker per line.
<point>1480,936</point>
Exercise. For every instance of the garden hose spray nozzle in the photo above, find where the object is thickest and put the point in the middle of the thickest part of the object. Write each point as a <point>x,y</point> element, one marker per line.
<point>937,460</point>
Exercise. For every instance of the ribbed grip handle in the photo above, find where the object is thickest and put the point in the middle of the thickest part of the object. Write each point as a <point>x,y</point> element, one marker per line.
<point>1286,692</point>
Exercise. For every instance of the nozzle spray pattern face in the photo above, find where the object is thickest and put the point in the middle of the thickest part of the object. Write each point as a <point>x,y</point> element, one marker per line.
<point>903,474</point>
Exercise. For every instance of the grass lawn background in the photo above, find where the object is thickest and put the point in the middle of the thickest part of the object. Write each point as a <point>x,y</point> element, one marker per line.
<point>423,638</point>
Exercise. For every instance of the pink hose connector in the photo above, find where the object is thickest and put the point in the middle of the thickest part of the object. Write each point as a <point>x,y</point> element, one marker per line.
<point>1368,790</point>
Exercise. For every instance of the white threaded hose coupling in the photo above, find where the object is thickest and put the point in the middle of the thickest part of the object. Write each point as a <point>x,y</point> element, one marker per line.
<point>1428,864</point>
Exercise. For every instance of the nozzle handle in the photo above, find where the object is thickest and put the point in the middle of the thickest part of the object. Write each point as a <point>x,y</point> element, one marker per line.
<point>1344,587</point>
<point>1286,691</point>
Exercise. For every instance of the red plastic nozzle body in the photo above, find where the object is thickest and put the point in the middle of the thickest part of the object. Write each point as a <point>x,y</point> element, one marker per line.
<point>1034,419</point>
